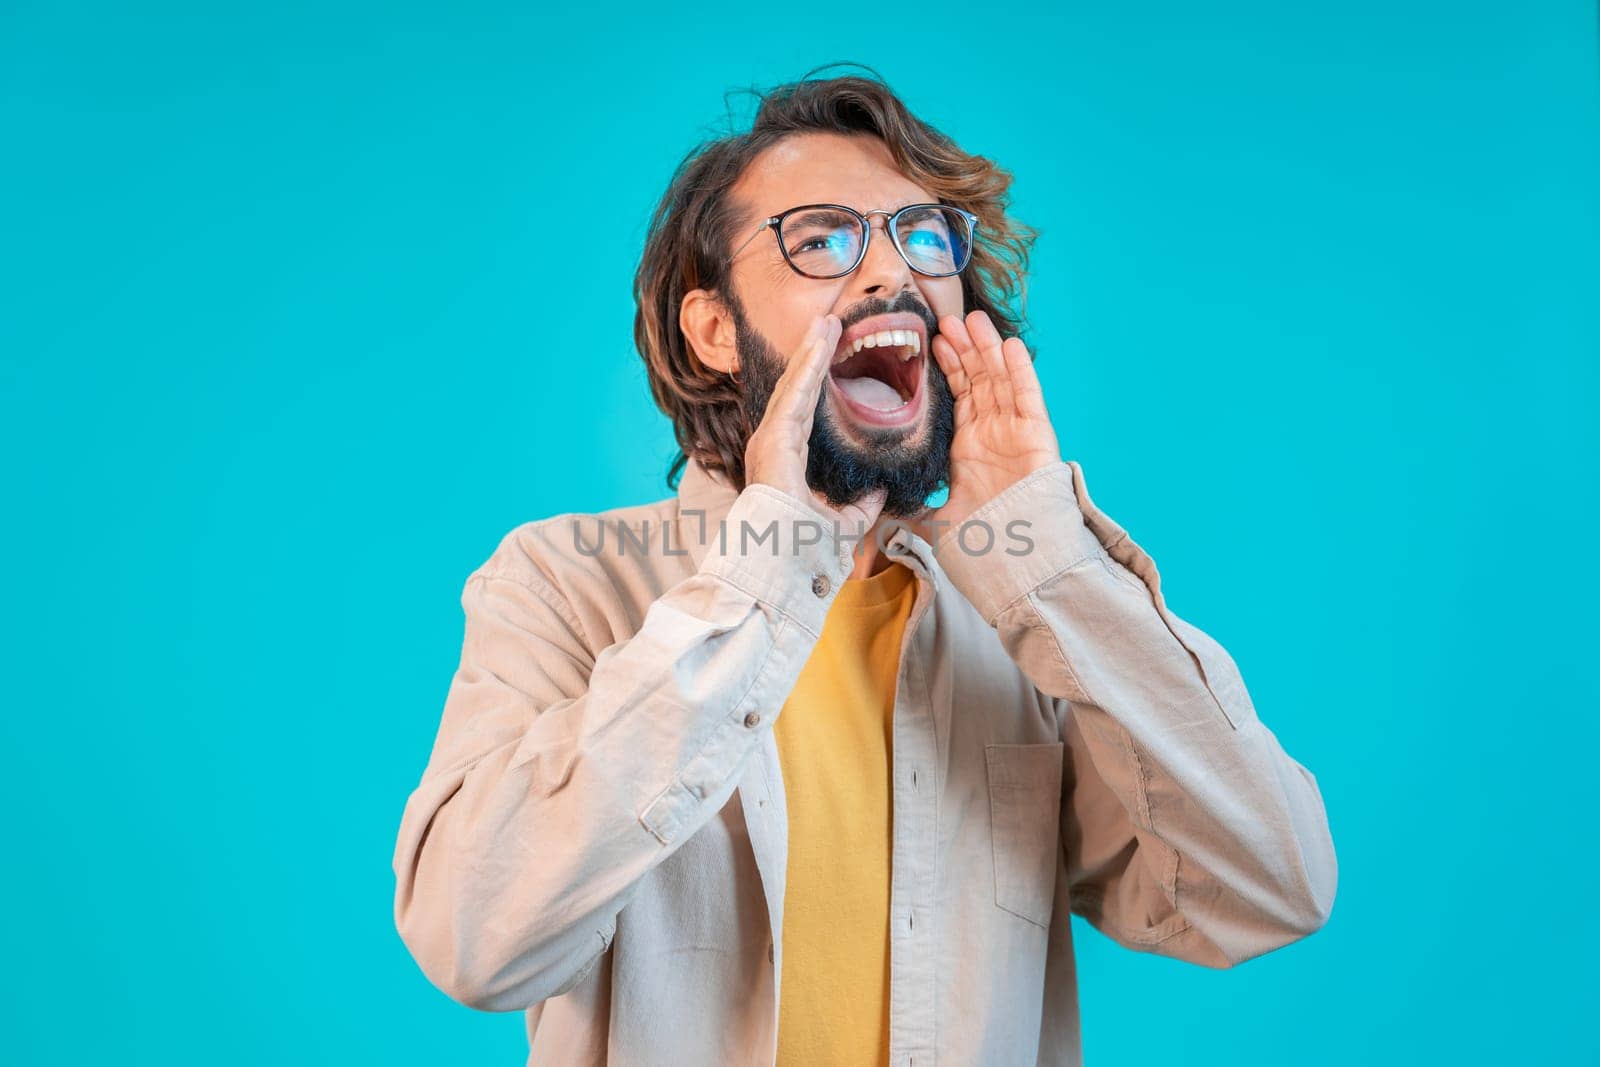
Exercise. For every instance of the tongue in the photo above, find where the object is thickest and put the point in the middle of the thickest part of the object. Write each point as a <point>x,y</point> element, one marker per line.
<point>870,393</point>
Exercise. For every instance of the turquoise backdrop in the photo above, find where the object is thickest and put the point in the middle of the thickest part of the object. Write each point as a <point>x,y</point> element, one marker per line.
<point>303,306</point>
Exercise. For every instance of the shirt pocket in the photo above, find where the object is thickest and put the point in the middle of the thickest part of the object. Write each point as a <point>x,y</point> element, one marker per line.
<point>1025,814</point>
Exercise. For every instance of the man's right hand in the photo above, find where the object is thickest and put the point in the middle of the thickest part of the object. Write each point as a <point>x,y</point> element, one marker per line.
<point>777,451</point>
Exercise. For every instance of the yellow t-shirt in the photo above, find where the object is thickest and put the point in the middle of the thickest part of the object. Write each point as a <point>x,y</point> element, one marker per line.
<point>834,743</point>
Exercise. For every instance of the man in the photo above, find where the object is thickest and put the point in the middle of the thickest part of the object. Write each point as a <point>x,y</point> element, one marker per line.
<point>791,768</point>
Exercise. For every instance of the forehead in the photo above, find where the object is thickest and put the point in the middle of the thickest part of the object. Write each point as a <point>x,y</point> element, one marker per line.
<point>825,168</point>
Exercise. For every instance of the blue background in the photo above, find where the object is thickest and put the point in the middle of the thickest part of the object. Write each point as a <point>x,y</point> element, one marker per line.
<point>303,308</point>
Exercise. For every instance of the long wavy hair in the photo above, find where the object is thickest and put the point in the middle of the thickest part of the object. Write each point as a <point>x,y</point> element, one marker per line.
<point>690,235</point>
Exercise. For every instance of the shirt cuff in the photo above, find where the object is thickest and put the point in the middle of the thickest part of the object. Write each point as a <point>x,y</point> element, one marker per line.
<point>1027,535</point>
<point>782,551</point>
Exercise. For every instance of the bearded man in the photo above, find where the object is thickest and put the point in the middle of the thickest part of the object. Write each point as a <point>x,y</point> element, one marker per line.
<point>792,767</point>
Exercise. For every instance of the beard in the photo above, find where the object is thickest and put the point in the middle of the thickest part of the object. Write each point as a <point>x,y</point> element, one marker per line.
<point>909,463</point>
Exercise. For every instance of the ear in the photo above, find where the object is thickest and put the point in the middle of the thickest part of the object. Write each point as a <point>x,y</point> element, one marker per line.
<point>708,327</point>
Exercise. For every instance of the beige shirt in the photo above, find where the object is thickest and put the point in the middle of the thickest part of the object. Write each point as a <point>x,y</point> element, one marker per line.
<point>599,836</point>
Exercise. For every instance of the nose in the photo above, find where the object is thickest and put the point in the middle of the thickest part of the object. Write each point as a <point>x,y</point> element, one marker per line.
<point>883,271</point>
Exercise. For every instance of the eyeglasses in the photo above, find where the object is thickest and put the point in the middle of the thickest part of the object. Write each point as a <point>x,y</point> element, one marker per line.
<point>830,240</point>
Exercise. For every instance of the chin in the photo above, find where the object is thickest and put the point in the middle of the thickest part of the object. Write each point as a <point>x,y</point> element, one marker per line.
<point>847,461</point>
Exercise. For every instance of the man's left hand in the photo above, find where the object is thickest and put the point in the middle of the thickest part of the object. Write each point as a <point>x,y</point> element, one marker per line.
<point>1003,433</point>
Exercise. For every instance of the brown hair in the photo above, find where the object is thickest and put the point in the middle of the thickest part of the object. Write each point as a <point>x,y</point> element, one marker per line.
<point>689,238</point>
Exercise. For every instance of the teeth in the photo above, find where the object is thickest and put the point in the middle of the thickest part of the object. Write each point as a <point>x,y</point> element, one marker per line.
<point>908,340</point>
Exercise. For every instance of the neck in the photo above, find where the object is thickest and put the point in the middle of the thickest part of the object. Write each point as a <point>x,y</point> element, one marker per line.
<point>868,559</point>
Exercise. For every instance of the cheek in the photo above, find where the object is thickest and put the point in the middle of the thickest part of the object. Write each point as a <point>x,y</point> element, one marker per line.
<point>788,309</point>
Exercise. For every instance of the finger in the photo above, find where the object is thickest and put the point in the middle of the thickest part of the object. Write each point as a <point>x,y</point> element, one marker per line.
<point>952,327</point>
<point>944,354</point>
<point>817,361</point>
<point>794,398</point>
<point>1024,378</point>
<point>977,372</point>
<point>990,356</point>
<point>954,330</point>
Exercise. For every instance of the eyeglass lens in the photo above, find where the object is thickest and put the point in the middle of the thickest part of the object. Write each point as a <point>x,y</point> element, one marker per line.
<point>826,242</point>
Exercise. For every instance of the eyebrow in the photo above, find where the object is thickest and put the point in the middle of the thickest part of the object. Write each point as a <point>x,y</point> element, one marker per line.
<point>829,212</point>
<point>898,207</point>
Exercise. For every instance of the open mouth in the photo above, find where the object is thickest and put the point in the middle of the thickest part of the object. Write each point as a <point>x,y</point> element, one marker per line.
<point>877,378</point>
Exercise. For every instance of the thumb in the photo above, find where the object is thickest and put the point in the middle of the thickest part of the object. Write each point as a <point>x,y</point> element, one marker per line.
<point>865,512</point>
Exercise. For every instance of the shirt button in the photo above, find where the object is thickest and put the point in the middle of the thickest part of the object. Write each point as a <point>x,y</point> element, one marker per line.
<point>752,720</point>
<point>820,585</point>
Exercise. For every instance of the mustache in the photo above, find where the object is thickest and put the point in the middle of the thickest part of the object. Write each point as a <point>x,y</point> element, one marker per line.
<point>905,302</point>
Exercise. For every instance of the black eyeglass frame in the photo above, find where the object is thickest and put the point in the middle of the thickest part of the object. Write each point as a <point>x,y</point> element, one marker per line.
<point>775,223</point>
